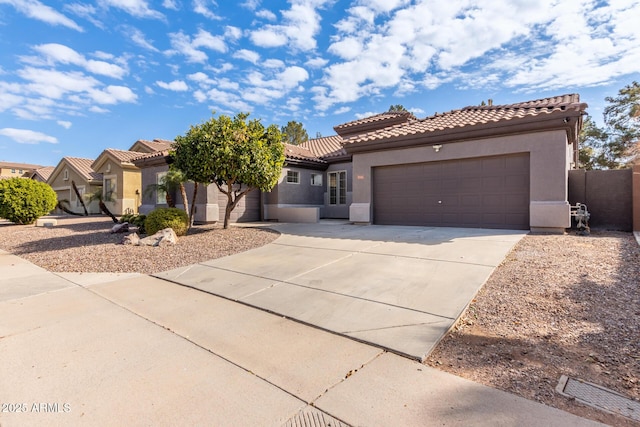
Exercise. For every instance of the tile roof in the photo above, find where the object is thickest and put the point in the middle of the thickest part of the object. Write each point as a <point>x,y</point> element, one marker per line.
<point>377,121</point>
<point>44,172</point>
<point>25,166</point>
<point>123,156</point>
<point>146,156</point>
<point>474,115</point>
<point>297,152</point>
<point>325,147</point>
<point>155,145</point>
<point>83,167</point>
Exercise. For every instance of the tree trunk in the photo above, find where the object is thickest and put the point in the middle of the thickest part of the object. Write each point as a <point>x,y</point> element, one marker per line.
<point>169,199</point>
<point>64,209</point>
<point>73,184</point>
<point>185,201</point>
<point>106,211</point>
<point>193,204</point>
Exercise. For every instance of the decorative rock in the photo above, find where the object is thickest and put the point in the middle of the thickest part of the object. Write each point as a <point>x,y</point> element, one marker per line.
<point>161,238</point>
<point>131,239</point>
<point>46,222</point>
<point>120,228</point>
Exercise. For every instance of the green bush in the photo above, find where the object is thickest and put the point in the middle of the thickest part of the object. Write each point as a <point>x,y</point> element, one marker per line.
<point>24,200</point>
<point>162,218</point>
<point>135,219</point>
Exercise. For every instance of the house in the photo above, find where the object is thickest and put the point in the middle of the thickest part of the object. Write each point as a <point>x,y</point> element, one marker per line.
<point>490,166</point>
<point>41,174</point>
<point>75,170</point>
<point>121,177</point>
<point>13,170</point>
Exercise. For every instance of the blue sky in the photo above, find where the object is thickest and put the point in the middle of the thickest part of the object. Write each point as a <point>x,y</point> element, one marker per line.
<point>77,77</point>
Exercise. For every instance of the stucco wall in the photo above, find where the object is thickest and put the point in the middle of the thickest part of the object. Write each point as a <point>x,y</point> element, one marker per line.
<point>64,191</point>
<point>549,153</point>
<point>148,198</point>
<point>338,211</point>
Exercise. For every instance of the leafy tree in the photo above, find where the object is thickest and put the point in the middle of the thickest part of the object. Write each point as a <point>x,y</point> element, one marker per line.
<point>398,108</point>
<point>102,197</point>
<point>235,154</point>
<point>23,200</point>
<point>171,181</point>
<point>616,144</point>
<point>294,133</point>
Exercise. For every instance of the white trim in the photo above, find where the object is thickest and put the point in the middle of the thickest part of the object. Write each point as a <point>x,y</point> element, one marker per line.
<point>286,178</point>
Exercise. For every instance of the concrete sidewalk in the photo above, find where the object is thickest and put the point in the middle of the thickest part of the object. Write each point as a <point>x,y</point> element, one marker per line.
<point>106,350</point>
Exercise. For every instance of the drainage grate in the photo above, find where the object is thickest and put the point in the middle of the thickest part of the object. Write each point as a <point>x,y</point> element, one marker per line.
<point>599,397</point>
<point>312,417</point>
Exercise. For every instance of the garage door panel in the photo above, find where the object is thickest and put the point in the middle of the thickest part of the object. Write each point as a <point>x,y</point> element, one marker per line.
<point>481,192</point>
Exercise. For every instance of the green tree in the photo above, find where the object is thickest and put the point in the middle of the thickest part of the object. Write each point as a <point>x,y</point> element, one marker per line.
<point>615,145</point>
<point>294,133</point>
<point>234,154</point>
<point>172,180</point>
<point>24,200</point>
<point>398,108</point>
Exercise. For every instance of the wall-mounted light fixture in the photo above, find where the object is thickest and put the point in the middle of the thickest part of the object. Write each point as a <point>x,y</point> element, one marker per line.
<point>437,147</point>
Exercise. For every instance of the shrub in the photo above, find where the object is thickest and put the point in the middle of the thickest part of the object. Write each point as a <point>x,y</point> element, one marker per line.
<point>24,200</point>
<point>135,219</point>
<point>162,218</point>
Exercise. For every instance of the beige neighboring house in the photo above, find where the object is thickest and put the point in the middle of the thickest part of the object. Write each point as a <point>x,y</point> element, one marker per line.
<point>42,174</point>
<point>121,178</point>
<point>77,170</point>
<point>16,170</point>
<point>144,146</point>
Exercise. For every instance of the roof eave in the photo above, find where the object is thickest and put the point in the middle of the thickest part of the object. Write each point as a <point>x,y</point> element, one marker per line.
<point>307,164</point>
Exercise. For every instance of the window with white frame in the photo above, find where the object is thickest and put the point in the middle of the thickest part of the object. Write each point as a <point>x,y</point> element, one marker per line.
<point>293,177</point>
<point>161,195</point>
<point>316,179</point>
<point>337,188</point>
<point>65,175</point>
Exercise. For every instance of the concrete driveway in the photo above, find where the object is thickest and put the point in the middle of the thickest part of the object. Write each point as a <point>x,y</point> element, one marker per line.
<point>399,288</point>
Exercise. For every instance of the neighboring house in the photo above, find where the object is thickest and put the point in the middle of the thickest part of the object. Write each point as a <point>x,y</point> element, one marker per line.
<point>78,170</point>
<point>493,166</point>
<point>13,170</point>
<point>41,174</point>
<point>122,178</point>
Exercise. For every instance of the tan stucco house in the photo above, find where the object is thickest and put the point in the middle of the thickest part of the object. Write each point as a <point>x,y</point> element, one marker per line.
<point>41,174</point>
<point>79,171</point>
<point>16,170</point>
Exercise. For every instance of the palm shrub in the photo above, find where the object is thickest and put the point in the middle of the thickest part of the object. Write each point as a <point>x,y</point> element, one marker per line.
<point>23,200</point>
<point>135,219</point>
<point>162,218</point>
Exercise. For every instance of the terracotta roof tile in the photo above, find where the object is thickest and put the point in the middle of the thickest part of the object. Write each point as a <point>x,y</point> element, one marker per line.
<point>44,172</point>
<point>153,155</point>
<point>123,156</point>
<point>473,115</point>
<point>83,167</point>
<point>298,152</point>
<point>325,147</point>
<point>156,144</point>
<point>24,166</point>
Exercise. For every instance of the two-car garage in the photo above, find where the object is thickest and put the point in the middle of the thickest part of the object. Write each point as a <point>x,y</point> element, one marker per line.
<point>486,192</point>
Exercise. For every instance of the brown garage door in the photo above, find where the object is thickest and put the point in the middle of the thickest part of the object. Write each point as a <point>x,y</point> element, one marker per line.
<point>488,192</point>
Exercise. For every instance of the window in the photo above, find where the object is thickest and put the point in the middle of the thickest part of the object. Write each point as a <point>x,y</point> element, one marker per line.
<point>13,171</point>
<point>293,177</point>
<point>65,175</point>
<point>161,195</point>
<point>338,188</point>
<point>20,171</point>
<point>316,179</point>
<point>81,192</point>
<point>109,189</point>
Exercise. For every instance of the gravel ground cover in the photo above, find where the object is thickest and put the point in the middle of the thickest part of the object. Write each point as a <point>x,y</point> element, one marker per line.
<point>557,305</point>
<point>85,244</point>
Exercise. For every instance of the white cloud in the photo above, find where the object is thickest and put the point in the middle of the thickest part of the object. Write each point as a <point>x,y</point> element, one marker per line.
<point>85,11</point>
<point>316,62</point>
<point>227,99</point>
<point>266,14</point>
<point>250,4</point>
<point>139,38</point>
<point>171,4</point>
<point>137,8</point>
<point>36,10</point>
<point>56,53</point>
<point>342,110</point>
<point>176,85</point>
<point>26,136</point>
<point>112,95</point>
<point>65,124</point>
<point>247,55</point>
<point>182,44</point>
<point>273,63</point>
<point>301,23</point>
<point>200,7</point>
<point>99,110</point>
<point>233,33</point>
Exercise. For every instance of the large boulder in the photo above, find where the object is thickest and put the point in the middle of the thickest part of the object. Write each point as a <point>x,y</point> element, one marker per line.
<point>163,237</point>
